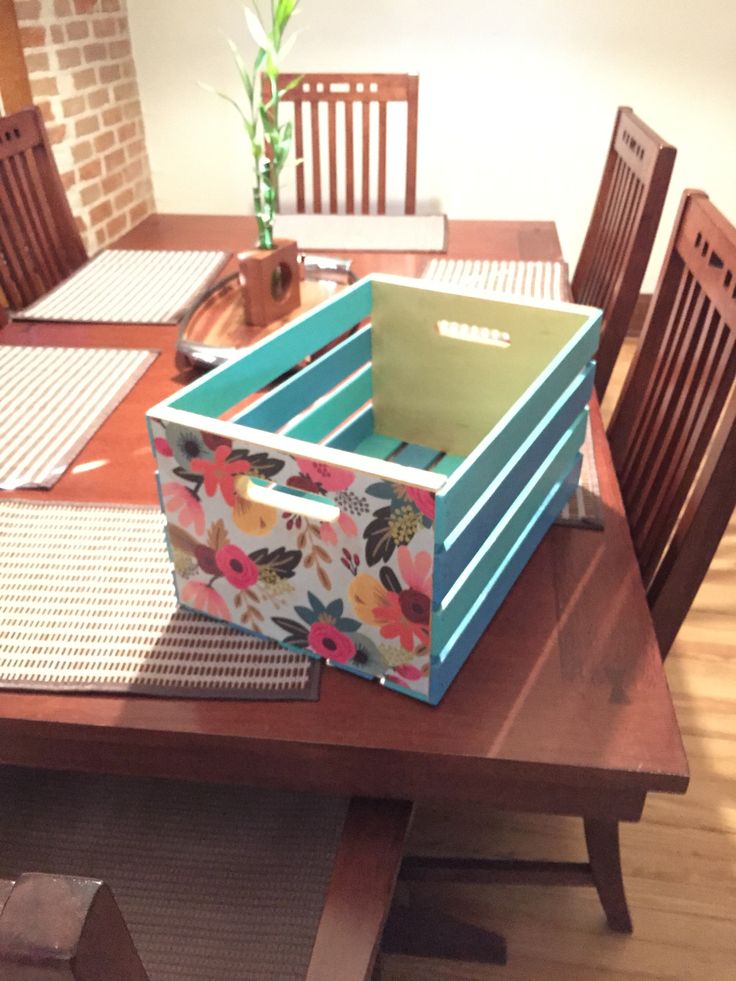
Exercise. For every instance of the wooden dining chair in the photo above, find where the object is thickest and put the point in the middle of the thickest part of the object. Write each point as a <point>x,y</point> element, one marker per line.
<point>673,431</point>
<point>66,928</point>
<point>341,135</point>
<point>673,442</point>
<point>39,241</point>
<point>192,868</point>
<point>619,239</point>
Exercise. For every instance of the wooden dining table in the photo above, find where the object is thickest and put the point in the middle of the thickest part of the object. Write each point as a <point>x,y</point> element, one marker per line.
<point>562,708</point>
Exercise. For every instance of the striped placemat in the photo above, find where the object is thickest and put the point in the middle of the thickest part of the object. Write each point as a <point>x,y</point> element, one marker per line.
<point>143,286</point>
<point>538,281</point>
<point>215,883</point>
<point>89,605</point>
<point>51,401</point>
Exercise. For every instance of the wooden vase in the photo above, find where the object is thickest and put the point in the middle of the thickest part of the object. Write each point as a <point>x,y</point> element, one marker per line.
<point>269,280</point>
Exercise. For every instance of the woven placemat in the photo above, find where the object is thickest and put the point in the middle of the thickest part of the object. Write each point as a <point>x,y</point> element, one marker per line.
<point>215,883</point>
<point>88,605</point>
<point>121,286</point>
<point>52,400</point>
<point>538,281</point>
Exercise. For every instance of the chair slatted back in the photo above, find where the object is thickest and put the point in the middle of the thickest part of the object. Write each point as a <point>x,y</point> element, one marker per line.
<point>39,242</point>
<point>621,232</point>
<point>356,142</point>
<point>672,433</point>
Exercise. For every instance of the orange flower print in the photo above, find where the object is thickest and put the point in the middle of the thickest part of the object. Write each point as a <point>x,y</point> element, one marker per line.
<point>219,473</point>
<point>402,613</point>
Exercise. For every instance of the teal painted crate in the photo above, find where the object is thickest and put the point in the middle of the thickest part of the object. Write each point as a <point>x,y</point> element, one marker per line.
<point>374,507</point>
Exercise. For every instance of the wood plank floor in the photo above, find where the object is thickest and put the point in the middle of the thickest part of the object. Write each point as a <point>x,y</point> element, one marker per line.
<point>679,861</point>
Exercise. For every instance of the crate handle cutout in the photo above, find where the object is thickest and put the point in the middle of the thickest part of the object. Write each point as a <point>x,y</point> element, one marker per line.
<point>472,332</point>
<point>310,506</point>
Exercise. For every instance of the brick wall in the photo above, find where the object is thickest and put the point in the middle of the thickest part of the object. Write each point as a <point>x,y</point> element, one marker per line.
<point>82,76</point>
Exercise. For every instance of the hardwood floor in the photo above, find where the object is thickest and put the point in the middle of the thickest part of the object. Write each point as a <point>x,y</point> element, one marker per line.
<point>679,861</point>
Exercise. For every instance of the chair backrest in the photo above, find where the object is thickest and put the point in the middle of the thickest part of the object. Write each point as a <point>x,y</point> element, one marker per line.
<point>622,228</point>
<point>39,241</point>
<point>351,157</point>
<point>672,434</point>
<point>66,928</point>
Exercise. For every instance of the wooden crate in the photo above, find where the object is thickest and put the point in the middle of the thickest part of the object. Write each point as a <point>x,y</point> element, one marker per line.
<point>375,506</point>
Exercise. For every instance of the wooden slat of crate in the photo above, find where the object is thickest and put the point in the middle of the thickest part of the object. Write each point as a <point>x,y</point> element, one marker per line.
<point>512,526</point>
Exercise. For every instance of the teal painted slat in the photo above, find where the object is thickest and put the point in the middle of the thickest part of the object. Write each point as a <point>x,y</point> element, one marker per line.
<point>294,395</point>
<point>458,549</point>
<point>448,464</point>
<point>449,661</point>
<point>471,479</point>
<point>261,364</point>
<point>318,421</point>
<point>378,446</point>
<point>502,540</point>
<point>414,455</point>
<point>347,437</point>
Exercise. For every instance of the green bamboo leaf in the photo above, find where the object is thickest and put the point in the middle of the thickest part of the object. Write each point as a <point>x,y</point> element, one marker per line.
<point>227,98</point>
<point>257,31</point>
<point>290,85</point>
<point>284,10</point>
<point>286,47</point>
<point>243,71</point>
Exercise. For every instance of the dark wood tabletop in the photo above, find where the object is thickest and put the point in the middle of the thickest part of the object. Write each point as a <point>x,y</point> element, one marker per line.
<point>562,707</point>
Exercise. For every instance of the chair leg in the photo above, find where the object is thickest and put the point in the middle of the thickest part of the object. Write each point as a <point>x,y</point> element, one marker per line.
<point>604,854</point>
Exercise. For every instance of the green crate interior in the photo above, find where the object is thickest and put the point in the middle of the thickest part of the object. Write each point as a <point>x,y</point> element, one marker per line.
<point>402,392</point>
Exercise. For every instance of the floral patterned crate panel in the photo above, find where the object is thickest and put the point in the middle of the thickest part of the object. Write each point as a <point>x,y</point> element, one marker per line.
<point>374,506</point>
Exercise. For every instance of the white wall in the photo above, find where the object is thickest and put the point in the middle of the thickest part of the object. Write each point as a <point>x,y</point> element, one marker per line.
<point>516,98</point>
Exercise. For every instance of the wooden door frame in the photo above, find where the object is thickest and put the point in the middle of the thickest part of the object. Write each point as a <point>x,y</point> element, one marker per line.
<point>15,89</point>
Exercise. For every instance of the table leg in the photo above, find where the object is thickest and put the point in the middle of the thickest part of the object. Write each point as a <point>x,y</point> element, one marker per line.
<point>361,889</point>
<point>604,853</point>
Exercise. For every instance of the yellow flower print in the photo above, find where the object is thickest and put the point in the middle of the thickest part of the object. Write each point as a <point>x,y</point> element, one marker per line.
<point>366,594</point>
<point>251,517</point>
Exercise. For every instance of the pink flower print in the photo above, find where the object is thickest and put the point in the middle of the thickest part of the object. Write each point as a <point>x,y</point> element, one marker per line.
<point>237,567</point>
<point>162,446</point>
<point>220,473</point>
<point>327,533</point>
<point>180,499</point>
<point>416,570</point>
<point>346,524</point>
<point>327,641</point>
<point>327,477</point>
<point>203,597</point>
<point>423,500</point>
<point>409,671</point>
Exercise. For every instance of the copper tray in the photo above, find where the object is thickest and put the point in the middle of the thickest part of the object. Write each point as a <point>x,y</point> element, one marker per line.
<point>214,329</point>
